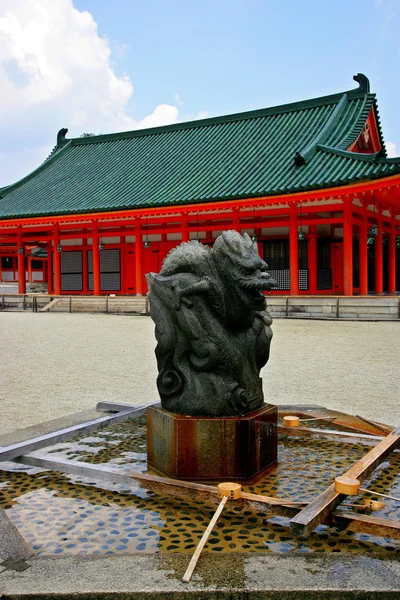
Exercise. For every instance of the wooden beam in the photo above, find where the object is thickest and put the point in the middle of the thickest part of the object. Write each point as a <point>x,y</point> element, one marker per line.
<point>377,522</point>
<point>319,509</point>
<point>331,434</point>
<point>185,489</point>
<point>15,450</point>
<point>153,482</point>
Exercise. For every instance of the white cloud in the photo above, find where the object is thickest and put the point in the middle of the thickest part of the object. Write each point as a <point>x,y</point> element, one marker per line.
<point>56,71</point>
<point>391,149</point>
<point>203,114</point>
<point>164,113</point>
<point>178,100</point>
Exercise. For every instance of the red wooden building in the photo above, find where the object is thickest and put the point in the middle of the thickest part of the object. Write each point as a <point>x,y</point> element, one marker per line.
<point>310,180</point>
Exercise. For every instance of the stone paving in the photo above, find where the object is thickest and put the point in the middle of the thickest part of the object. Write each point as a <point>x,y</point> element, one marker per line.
<point>57,364</point>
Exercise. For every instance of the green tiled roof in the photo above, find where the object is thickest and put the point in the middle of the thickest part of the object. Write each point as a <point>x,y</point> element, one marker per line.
<point>279,150</point>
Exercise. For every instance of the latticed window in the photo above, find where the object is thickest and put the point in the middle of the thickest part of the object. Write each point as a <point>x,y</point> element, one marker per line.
<point>71,271</point>
<point>110,270</point>
<point>276,254</point>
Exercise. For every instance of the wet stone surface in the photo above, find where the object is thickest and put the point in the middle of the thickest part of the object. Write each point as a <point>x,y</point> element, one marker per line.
<point>66,515</point>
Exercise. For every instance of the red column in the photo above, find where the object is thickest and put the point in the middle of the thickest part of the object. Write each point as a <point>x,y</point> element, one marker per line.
<point>57,262</point>
<point>21,263</point>
<point>293,252</point>
<point>49,270</point>
<point>185,227</point>
<point>379,258</point>
<point>347,249</point>
<point>29,269</point>
<point>44,270</point>
<point>236,219</point>
<point>363,256</point>
<point>138,258</point>
<point>392,262</point>
<point>312,259</point>
<point>21,271</point>
<point>96,261</point>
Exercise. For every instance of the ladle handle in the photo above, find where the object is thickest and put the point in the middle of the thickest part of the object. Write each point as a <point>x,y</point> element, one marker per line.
<point>201,544</point>
<point>379,494</point>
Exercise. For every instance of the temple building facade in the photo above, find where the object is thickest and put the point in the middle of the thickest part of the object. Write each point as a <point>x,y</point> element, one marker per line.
<point>310,181</point>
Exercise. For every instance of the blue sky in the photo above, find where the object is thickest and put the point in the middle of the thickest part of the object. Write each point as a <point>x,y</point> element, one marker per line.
<point>102,65</point>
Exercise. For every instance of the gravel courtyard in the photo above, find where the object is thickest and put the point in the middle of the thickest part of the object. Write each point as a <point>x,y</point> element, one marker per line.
<point>56,364</point>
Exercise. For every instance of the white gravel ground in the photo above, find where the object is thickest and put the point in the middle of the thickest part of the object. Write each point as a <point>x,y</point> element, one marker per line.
<point>55,364</point>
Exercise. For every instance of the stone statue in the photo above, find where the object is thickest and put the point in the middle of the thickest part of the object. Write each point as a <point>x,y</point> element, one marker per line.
<point>212,326</point>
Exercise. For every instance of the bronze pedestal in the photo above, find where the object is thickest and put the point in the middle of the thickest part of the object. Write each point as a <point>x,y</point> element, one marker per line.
<point>212,448</point>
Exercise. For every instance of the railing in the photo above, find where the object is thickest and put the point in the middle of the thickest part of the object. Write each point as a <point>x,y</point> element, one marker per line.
<point>96,304</point>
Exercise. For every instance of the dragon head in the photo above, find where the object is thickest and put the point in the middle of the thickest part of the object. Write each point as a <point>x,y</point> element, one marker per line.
<point>243,272</point>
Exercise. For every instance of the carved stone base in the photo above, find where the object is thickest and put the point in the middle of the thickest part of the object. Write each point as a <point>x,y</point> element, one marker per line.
<point>212,448</point>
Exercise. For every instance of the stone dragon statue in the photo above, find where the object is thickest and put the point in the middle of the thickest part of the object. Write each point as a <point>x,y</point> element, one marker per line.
<point>212,326</point>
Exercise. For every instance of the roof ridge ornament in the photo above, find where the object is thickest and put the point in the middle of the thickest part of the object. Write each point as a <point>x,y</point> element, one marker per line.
<point>61,141</point>
<point>363,83</point>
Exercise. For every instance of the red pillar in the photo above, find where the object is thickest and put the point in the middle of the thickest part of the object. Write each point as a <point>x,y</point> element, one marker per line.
<point>49,270</point>
<point>138,258</point>
<point>21,271</point>
<point>29,269</point>
<point>379,258</point>
<point>363,256</point>
<point>293,252</point>
<point>185,227</point>
<point>96,261</point>
<point>44,270</point>
<point>57,261</point>
<point>236,219</point>
<point>392,262</point>
<point>21,263</point>
<point>312,259</point>
<point>347,249</point>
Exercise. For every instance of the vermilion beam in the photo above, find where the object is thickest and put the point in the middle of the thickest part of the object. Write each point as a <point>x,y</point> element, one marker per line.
<point>352,189</point>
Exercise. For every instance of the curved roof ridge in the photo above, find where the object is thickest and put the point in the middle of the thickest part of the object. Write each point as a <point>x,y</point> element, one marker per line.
<point>304,156</point>
<point>375,157</point>
<point>261,112</point>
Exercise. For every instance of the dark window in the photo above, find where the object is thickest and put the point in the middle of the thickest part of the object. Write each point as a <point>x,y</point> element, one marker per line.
<point>36,264</point>
<point>303,255</point>
<point>6,262</point>
<point>71,271</point>
<point>276,254</point>
<point>110,270</point>
<point>324,271</point>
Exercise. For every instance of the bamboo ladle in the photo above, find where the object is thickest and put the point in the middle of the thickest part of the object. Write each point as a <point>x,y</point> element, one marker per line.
<point>226,491</point>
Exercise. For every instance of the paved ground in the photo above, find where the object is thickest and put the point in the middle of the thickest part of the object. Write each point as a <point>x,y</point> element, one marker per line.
<point>56,364</point>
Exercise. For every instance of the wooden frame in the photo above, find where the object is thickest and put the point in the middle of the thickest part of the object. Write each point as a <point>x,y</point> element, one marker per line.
<point>304,520</point>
